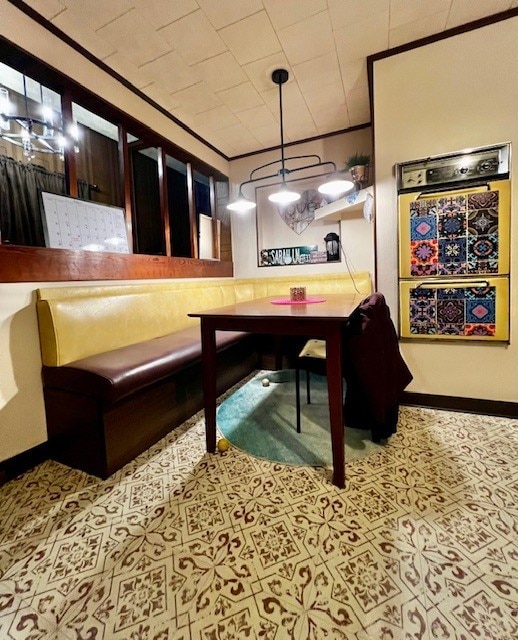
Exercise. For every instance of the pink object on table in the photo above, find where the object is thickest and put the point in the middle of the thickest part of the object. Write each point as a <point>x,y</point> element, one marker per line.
<point>290,301</point>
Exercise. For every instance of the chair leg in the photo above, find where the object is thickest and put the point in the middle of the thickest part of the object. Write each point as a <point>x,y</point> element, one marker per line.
<point>297,396</point>
<point>308,380</point>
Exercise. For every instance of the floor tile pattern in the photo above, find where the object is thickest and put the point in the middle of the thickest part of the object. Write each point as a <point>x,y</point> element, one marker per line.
<point>183,545</point>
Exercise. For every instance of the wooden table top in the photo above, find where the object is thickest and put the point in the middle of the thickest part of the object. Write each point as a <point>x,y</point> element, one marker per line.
<point>337,306</point>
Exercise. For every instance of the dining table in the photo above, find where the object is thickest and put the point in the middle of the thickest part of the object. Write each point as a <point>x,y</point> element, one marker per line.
<point>317,316</point>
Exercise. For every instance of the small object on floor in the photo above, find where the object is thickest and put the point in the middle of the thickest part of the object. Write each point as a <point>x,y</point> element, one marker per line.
<point>266,382</point>
<point>223,445</point>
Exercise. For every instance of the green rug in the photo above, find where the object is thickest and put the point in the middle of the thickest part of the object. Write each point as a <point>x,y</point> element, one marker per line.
<point>261,420</point>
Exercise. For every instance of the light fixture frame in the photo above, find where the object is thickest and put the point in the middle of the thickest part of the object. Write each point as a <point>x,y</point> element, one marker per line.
<point>280,77</point>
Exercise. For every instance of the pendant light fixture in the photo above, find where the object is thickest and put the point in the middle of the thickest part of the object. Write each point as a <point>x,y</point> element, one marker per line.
<point>334,185</point>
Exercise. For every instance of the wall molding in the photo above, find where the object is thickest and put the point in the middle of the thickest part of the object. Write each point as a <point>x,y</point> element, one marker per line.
<point>465,405</point>
<point>13,467</point>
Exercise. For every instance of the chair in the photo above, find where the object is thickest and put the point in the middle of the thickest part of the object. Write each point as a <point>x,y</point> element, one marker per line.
<point>375,372</point>
<point>313,358</point>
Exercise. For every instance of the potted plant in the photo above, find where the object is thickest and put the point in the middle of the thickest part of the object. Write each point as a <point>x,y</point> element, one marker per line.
<point>358,167</point>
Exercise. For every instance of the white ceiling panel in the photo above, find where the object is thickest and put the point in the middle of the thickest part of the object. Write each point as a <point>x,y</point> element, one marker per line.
<point>252,38</point>
<point>209,62</point>
<point>194,38</point>
<point>312,37</point>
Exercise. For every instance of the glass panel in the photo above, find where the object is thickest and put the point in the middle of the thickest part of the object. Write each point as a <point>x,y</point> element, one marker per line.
<point>178,207</point>
<point>31,155</point>
<point>148,233</point>
<point>31,126</point>
<point>97,157</point>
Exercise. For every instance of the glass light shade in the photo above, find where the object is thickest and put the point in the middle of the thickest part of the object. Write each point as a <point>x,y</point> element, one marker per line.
<point>335,185</point>
<point>241,204</point>
<point>284,196</point>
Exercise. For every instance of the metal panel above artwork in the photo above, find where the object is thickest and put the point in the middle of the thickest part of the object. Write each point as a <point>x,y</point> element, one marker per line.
<point>455,169</point>
<point>454,246</point>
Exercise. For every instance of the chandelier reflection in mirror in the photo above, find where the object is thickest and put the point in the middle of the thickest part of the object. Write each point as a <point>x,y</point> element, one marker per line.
<point>30,116</point>
<point>335,183</point>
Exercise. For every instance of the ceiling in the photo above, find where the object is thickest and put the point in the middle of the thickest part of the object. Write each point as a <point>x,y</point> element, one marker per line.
<point>209,62</point>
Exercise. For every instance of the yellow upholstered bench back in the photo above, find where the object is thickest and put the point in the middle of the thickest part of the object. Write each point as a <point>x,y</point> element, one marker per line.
<point>80,321</point>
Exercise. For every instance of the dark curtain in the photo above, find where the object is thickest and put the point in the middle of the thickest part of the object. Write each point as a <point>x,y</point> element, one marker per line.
<point>20,205</point>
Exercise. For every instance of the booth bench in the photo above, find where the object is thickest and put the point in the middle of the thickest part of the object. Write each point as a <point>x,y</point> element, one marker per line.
<point>122,363</point>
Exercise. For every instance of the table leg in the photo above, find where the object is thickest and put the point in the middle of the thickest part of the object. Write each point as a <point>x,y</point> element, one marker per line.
<point>209,374</point>
<point>335,392</point>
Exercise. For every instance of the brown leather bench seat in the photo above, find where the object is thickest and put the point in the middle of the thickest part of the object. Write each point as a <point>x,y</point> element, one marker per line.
<point>106,409</point>
<point>114,374</point>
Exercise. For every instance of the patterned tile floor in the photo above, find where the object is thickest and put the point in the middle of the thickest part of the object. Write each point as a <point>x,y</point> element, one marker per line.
<point>182,545</point>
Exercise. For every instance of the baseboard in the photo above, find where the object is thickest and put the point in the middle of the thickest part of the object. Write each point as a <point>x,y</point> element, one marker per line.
<point>15,466</point>
<point>466,405</point>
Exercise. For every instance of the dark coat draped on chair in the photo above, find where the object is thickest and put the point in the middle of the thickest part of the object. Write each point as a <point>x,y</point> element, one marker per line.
<point>375,371</point>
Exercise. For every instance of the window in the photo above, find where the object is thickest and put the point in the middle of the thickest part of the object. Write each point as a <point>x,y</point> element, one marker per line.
<point>96,157</point>
<point>69,141</point>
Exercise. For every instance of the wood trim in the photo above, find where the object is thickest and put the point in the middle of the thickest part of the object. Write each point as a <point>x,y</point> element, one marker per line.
<point>164,208</point>
<point>192,211</point>
<point>39,264</point>
<point>125,173</point>
<point>466,405</point>
<point>70,156</point>
<point>213,212</point>
<point>15,466</point>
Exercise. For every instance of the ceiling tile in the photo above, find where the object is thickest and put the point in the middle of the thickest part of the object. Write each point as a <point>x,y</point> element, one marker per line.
<point>334,118</point>
<point>348,13</point>
<point>368,36</point>
<point>403,12</point>
<point>251,39</point>
<point>307,39</point>
<point>244,96</point>
<point>83,34</point>
<point>463,11</point>
<point>260,71</point>
<point>194,38</point>
<point>196,98</point>
<point>358,99</point>
<point>220,72</point>
<point>235,134</point>
<point>162,12</point>
<point>291,97</point>
<point>216,119</point>
<point>257,117</point>
<point>283,14</point>
<point>322,97</point>
<point>171,71</point>
<point>268,134</point>
<point>354,74</point>
<point>225,12</point>
<point>418,29</point>
<point>318,72</point>
<point>134,37</point>
<point>362,116</point>
<point>124,67</point>
<point>157,93</point>
<point>97,13</point>
<point>47,8</point>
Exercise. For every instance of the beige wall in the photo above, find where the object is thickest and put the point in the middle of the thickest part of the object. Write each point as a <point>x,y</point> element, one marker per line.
<point>356,234</point>
<point>451,95</point>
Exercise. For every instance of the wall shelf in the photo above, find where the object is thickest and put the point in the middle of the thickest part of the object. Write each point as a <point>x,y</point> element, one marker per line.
<point>342,208</point>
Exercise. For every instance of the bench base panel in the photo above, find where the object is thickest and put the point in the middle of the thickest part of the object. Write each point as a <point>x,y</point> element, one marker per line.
<point>86,435</point>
